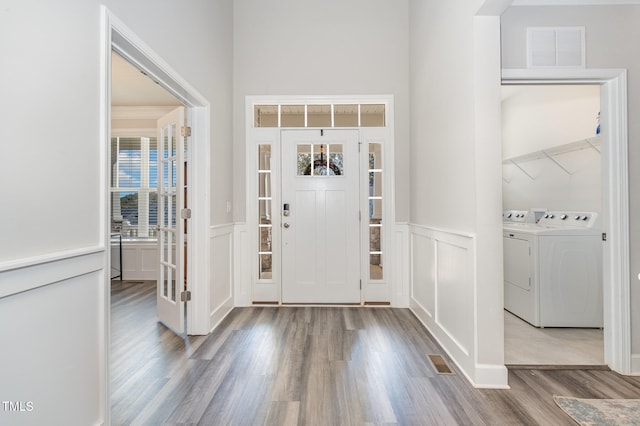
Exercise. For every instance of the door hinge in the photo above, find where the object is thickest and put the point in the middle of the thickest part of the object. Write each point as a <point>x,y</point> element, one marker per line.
<point>359,144</point>
<point>360,284</point>
<point>185,296</point>
<point>185,213</point>
<point>604,236</point>
<point>321,132</point>
<point>360,216</point>
<point>185,131</point>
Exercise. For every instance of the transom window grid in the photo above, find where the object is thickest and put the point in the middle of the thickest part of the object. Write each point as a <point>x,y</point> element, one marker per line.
<point>320,115</point>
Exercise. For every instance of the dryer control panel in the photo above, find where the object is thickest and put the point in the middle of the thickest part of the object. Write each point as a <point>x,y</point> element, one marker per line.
<point>569,219</point>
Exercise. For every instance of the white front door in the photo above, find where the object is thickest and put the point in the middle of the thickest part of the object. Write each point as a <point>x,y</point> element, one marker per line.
<point>170,308</point>
<point>320,216</point>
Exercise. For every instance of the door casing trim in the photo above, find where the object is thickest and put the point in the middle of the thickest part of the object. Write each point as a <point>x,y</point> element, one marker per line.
<point>616,285</point>
<point>246,283</point>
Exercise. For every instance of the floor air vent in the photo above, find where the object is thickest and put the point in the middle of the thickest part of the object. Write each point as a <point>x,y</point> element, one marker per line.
<point>439,364</point>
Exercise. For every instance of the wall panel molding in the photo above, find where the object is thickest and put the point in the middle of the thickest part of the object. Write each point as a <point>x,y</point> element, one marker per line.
<point>27,274</point>
<point>220,288</point>
<point>443,296</point>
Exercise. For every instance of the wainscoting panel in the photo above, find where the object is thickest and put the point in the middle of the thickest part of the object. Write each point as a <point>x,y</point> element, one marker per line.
<point>424,273</point>
<point>53,316</point>
<point>454,309</point>
<point>443,290</point>
<point>140,260</point>
<point>242,268</point>
<point>221,284</point>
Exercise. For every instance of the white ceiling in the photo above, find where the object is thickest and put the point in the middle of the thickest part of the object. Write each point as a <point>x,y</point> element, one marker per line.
<point>130,87</point>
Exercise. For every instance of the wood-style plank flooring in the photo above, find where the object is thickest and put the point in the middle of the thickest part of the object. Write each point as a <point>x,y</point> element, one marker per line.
<point>316,366</point>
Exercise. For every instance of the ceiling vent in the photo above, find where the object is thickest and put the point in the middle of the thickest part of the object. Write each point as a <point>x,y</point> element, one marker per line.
<point>555,47</point>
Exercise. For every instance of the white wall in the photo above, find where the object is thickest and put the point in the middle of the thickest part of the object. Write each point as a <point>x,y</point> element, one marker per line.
<point>610,31</point>
<point>332,47</point>
<point>53,258</point>
<point>455,179</point>
<point>536,117</point>
<point>540,117</point>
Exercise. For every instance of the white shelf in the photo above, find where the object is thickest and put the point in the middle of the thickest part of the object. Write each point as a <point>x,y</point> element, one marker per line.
<point>550,153</point>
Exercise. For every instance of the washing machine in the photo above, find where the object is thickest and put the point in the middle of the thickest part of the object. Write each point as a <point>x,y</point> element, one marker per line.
<point>553,270</point>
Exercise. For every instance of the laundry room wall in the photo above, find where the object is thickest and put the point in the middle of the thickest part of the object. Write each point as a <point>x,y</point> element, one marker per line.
<point>610,34</point>
<point>559,121</point>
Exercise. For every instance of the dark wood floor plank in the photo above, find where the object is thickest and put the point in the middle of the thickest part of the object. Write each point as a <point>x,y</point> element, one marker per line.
<point>316,366</point>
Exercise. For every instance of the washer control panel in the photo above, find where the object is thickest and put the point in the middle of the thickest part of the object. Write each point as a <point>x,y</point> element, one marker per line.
<point>568,218</point>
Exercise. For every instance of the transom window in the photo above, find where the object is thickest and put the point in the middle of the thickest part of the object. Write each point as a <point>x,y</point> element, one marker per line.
<point>319,115</point>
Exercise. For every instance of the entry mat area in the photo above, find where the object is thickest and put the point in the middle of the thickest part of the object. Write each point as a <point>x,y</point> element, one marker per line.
<point>587,412</point>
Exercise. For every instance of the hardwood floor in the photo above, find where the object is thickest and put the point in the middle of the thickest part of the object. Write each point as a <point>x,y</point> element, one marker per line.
<point>316,366</point>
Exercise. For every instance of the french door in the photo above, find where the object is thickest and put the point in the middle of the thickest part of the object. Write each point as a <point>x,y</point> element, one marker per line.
<point>171,235</point>
<point>320,216</point>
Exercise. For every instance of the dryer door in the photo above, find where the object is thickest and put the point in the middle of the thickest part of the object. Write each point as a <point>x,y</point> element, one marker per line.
<point>517,269</point>
<point>520,295</point>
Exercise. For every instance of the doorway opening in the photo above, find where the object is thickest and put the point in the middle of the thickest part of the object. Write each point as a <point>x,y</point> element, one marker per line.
<point>553,267</point>
<point>148,162</point>
<point>614,221</point>
<point>121,40</point>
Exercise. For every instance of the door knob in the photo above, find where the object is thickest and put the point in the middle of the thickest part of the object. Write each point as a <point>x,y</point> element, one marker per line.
<point>286,225</point>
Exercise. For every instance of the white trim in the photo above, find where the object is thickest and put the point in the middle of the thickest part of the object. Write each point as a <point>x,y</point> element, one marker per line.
<point>45,270</point>
<point>617,306</point>
<point>105,197</point>
<point>635,365</point>
<point>53,257</point>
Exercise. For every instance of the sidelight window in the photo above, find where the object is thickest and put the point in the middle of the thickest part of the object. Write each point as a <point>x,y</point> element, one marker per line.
<point>265,224</point>
<point>375,212</point>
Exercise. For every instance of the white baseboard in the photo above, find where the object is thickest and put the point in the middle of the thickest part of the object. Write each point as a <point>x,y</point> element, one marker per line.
<point>635,364</point>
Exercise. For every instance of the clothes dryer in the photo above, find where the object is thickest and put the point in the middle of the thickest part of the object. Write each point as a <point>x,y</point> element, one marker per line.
<point>553,270</point>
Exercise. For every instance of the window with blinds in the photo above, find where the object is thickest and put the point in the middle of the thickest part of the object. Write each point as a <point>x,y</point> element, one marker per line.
<point>134,186</point>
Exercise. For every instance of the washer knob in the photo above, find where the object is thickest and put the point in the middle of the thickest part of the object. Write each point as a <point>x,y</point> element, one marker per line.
<point>584,217</point>
<point>577,218</point>
<point>563,217</point>
<point>551,216</point>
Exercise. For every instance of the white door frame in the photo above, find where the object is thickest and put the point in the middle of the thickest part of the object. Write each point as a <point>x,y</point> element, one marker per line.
<point>248,288</point>
<point>615,194</point>
<point>116,36</point>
